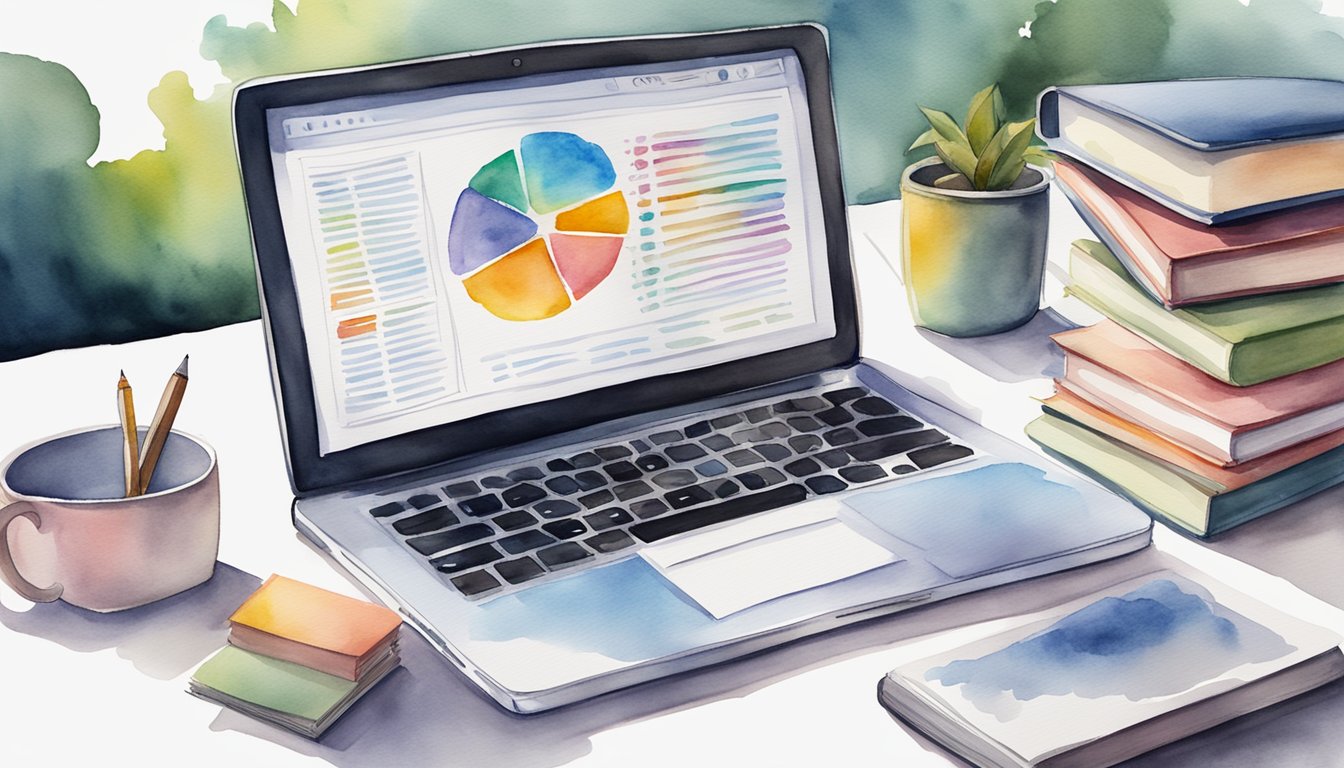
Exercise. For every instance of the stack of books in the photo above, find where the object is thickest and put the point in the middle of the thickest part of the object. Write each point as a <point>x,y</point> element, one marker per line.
<point>1210,395</point>
<point>299,656</point>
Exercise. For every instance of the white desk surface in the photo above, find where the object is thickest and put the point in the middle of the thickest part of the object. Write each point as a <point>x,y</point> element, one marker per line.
<point>79,687</point>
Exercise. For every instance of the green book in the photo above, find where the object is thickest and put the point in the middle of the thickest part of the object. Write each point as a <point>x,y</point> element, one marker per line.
<point>1176,496</point>
<point>1241,341</point>
<point>303,700</point>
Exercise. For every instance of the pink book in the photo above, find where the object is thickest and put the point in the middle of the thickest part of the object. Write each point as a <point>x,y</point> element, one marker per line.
<point>1122,373</point>
<point>1184,262</point>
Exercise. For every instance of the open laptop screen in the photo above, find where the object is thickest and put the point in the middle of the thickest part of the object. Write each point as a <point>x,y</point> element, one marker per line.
<point>467,249</point>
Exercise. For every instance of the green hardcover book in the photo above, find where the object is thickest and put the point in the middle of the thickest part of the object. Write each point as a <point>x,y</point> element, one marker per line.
<point>1241,341</point>
<point>303,700</point>
<point>1171,494</point>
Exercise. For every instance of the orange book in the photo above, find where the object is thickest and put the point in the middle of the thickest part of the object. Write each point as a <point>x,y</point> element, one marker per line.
<point>293,621</point>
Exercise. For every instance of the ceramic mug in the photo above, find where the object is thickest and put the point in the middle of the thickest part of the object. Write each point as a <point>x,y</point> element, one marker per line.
<point>91,546</point>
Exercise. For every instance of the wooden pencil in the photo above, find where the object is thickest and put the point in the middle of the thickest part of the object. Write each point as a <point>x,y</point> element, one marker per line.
<point>130,448</point>
<point>162,423</point>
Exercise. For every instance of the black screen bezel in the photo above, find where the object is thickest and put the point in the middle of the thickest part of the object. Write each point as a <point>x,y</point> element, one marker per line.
<point>311,472</point>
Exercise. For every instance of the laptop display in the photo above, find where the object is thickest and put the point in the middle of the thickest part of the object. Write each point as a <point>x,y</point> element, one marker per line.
<point>459,251</point>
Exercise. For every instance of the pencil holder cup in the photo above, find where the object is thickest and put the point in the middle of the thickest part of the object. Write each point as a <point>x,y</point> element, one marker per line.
<point>87,543</point>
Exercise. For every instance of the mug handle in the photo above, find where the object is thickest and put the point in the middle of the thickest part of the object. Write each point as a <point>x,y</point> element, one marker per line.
<point>8,571</point>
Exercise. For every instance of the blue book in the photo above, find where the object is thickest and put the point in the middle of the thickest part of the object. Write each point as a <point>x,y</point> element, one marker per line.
<point>1214,150</point>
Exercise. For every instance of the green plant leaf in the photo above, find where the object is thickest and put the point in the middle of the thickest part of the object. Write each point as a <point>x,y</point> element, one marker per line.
<point>925,138</point>
<point>984,166</point>
<point>981,122</point>
<point>1038,155</point>
<point>1000,111</point>
<point>1011,162</point>
<point>944,125</point>
<point>957,155</point>
<point>943,181</point>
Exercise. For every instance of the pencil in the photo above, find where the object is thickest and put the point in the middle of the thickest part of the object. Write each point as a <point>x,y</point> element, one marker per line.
<point>130,444</point>
<point>162,423</point>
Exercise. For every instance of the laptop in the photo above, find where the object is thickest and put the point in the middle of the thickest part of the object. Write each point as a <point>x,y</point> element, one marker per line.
<point>565,349</point>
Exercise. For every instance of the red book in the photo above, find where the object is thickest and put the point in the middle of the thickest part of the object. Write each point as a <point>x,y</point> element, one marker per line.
<point>1122,373</point>
<point>1180,261</point>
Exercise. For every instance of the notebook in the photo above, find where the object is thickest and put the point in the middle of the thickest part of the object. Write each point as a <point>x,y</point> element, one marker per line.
<point>560,335</point>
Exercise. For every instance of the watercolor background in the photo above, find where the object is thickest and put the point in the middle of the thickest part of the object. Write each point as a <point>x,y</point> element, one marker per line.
<point>156,243</point>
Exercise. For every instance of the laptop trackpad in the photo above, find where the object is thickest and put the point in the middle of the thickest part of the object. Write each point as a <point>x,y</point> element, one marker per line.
<point>734,567</point>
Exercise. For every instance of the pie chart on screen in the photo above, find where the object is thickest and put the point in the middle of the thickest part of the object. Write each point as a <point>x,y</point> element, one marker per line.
<point>538,227</point>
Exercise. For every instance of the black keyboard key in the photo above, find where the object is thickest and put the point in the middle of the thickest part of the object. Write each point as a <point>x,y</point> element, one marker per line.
<point>424,500</point>
<point>481,505</point>
<point>725,421</point>
<point>804,423</point>
<point>757,479</point>
<point>627,491</point>
<point>711,468</point>
<point>892,445</point>
<point>651,462</point>
<point>774,430</point>
<point>674,478</point>
<point>834,458</point>
<point>723,488</point>
<point>584,460</point>
<point>874,406</point>
<point>842,396</point>
<point>612,452</point>
<point>620,471</point>
<point>835,416</point>
<point>717,442</point>
<point>648,508</point>
<point>608,518</point>
<point>475,583</point>
<point>512,521</point>
<point>903,469</point>
<point>802,467</point>
<point>522,495</point>
<point>743,458</point>
<point>863,473</point>
<point>562,555</point>
<point>841,436</point>
<point>388,509</point>
<point>804,443</point>
<point>460,490</point>
<point>558,465</point>
<point>609,541</point>
<point>688,496</point>
<point>932,457</point>
<point>430,520</point>
<point>757,415</point>
<point>597,499</point>
<point>462,559</point>
<point>453,537</point>
<point>523,474</point>
<point>553,508</point>
<point>495,482</point>
<point>773,451</point>
<point>698,429</point>
<point>564,529</point>
<point>639,446</point>
<point>520,570</point>
<point>684,452</point>
<point>796,405</point>
<point>522,542</point>
<point>729,509</point>
<point>589,479</point>
<point>664,437</point>
<point>823,484</point>
<point>887,425</point>
<point>747,436</point>
<point>562,484</point>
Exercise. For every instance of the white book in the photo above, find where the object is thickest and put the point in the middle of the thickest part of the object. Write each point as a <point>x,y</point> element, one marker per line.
<point>1113,675</point>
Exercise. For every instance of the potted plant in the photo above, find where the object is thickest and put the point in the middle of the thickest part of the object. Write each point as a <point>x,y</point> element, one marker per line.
<point>974,220</point>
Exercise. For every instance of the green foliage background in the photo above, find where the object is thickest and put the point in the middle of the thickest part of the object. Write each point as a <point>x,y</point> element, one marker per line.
<point>158,243</point>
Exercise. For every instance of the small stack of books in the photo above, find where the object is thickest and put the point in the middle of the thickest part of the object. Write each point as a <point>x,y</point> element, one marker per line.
<point>1210,396</point>
<point>299,656</point>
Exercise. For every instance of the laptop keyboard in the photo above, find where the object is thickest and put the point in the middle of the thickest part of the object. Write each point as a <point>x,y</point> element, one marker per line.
<point>505,529</point>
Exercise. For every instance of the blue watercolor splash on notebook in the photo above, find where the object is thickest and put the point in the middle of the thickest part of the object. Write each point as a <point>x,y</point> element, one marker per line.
<point>1157,640</point>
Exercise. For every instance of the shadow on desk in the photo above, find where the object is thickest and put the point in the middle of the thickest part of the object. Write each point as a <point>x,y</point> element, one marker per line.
<point>1021,354</point>
<point>163,639</point>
